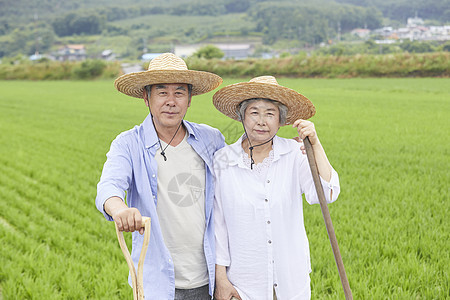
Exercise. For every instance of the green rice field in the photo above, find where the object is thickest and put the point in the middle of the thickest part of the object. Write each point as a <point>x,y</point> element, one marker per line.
<point>387,138</point>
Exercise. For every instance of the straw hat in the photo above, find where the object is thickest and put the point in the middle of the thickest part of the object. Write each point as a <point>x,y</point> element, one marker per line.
<point>167,68</point>
<point>227,99</point>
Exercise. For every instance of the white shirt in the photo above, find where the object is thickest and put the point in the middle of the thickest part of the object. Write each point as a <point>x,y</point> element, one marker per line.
<point>259,229</point>
<point>181,212</point>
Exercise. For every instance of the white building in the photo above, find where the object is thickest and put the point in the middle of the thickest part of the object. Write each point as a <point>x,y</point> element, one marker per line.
<point>231,51</point>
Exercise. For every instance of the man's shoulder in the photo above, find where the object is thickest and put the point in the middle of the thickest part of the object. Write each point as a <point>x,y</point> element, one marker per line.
<point>128,136</point>
<point>228,153</point>
<point>203,128</point>
<point>206,133</point>
<point>224,151</point>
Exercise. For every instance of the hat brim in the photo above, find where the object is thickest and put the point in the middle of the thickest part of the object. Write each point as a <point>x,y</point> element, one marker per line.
<point>227,99</point>
<point>132,84</point>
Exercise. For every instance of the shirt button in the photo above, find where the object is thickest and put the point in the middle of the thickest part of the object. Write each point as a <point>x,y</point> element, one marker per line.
<point>267,200</point>
<point>268,222</point>
<point>275,285</point>
<point>153,175</point>
<point>268,181</point>
<point>270,242</point>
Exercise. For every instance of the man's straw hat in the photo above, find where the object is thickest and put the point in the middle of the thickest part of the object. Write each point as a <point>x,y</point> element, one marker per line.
<point>227,99</point>
<point>167,68</point>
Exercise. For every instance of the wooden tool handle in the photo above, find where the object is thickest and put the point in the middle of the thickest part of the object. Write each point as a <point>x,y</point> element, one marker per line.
<point>136,279</point>
<point>327,219</point>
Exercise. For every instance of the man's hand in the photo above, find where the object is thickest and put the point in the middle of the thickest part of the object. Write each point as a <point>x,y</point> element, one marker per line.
<point>127,219</point>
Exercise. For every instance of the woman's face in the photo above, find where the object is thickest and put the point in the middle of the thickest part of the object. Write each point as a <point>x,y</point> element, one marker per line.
<point>261,121</point>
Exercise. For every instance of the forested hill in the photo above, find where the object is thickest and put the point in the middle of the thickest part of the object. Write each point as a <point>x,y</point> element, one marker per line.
<point>156,25</point>
<point>400,10</point>
<point>24,10</point>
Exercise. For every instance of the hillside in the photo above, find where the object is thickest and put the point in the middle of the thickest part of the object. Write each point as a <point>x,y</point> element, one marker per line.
<point>128,27</point>
<point>22,11</point>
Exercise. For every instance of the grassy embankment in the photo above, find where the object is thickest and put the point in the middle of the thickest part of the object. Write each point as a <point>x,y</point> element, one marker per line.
<point>389,65</point>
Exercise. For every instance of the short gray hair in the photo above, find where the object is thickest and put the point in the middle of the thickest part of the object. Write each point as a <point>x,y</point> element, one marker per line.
<point>240,109</point>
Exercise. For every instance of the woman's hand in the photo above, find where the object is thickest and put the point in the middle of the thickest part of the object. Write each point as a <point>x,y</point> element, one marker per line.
<point>306,129</point>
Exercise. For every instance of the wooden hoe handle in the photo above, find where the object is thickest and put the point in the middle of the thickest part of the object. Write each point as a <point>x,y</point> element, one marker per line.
<point>327,219</point>
<point>136,279</point>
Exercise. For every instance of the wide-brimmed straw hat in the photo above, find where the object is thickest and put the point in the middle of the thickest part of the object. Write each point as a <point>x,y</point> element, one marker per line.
<point>167,68</point>
<point>227,99</point>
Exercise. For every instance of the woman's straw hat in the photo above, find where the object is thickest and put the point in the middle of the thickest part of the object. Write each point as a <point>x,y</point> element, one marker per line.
<point>227,99</point>
<point>167,68</point>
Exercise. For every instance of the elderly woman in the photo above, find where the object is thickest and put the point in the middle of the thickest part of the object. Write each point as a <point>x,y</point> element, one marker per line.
<point>262,250</point>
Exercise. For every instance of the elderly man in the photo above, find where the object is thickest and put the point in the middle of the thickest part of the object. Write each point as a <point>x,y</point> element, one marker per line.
<point>164,166</point>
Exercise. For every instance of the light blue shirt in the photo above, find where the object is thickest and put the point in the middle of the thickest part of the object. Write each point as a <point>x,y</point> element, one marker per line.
<point>131,170</point>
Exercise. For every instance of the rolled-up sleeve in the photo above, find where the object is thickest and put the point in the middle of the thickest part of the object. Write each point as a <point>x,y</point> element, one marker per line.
<point>331,188</point>
<point>116,175</point>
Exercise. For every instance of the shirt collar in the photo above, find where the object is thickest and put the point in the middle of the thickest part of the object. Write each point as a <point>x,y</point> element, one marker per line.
<point>280,148</point>
<point>150,136</point>
<point>189,129</point>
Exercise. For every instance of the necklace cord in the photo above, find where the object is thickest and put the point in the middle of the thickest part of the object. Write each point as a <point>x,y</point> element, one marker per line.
<point>163,150</point>
<point>252,161</point>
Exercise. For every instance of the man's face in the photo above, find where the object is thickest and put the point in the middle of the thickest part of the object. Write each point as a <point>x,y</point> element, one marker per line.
<point>168,103</point>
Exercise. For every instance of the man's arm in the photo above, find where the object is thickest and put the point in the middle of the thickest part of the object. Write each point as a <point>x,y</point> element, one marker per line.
<point>115,180</point>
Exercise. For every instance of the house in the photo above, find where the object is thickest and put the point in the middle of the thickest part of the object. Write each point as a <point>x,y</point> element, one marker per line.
<point>415,31</point>
<point>361,33</point>
<point>384,32</point>
<point>231,51</point>
<point>185,51</point>
<point>108,55</point>
<point>439,33</point>
<point>71,53</point>
<point>236,51</point>
<point>413,22</point>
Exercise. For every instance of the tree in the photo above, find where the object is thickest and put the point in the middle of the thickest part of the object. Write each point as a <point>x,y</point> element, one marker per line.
<point>416,47</point>
<point>237,6</point>
<point>209,52</point>
<point>73,23</point>
<point>446,47</point>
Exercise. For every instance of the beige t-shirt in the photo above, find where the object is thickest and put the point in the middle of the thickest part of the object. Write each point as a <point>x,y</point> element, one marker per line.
<point>181,212</point>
